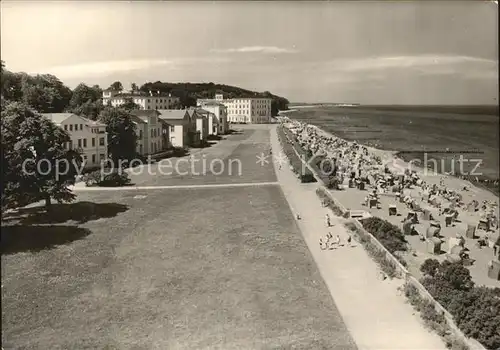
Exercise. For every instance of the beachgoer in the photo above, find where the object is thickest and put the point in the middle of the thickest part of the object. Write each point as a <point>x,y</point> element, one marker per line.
<point>327,220</point>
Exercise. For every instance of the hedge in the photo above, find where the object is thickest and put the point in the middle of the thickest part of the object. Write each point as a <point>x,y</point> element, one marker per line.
<point>389,235</point>
<point>114,178</point>
<point>329,180</point>
<point>475,310</point>
<point>378,255</point>
<point>329,203</point>
<point>298,167</point>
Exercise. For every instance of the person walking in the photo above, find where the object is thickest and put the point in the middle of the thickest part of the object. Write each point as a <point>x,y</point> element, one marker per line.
<point>327,220</point>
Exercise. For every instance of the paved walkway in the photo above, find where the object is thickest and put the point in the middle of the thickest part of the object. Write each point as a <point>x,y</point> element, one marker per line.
<point>373,310</point>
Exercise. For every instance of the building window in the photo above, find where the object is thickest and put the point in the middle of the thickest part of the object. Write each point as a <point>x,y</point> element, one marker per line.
<point>76,127</point>
<point>79,143</point>
<point>152,132</point>
<point>81,126</point>
<point>84,143</point>
<point>93,158</point>
<point>101,141</point>
<point>93,141</point>
<point>65,127</point>
<point>70,127</point>
<point>172,128</point>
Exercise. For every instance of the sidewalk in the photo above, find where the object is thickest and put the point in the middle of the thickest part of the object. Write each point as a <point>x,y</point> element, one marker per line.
<point>373,310</point>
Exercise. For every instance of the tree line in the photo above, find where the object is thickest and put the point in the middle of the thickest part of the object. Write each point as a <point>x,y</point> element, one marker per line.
<point>35,161</point>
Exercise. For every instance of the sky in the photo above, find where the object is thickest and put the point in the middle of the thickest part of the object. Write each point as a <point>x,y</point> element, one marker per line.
<point>436,52</point>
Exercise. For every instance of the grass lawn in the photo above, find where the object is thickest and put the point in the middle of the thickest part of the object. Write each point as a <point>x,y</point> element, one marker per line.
<point>169,269</point>
<point>232,160</point>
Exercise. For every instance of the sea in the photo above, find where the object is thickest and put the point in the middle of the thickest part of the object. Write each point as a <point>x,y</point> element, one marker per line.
<point>458,140</point>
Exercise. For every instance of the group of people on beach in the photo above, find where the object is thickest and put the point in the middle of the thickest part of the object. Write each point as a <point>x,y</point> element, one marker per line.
<point>360,165</point>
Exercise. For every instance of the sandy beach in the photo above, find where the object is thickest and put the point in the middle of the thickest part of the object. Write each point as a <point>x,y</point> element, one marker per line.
<point>423,191</point>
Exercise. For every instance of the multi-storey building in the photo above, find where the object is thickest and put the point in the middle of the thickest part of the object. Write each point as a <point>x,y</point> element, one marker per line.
<point>218,123</point>
<point>149,131</point>
<point>252,110</point>
<point>87,136</point>
<point>144,100</point>
<point>182,127</point>
<point>201,123</point>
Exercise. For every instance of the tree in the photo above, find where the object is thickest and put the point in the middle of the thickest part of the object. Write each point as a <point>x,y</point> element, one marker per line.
<point>121,133</point>
<point>11,85</point>
<point>90,109</point>
<point>117,86</point>
<point>45,93</point>
<point>34,152</point>
<point>83,93</point>
<point>134,87</point>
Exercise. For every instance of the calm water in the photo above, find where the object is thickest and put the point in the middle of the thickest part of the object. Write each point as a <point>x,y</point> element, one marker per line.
<point>414,131</point>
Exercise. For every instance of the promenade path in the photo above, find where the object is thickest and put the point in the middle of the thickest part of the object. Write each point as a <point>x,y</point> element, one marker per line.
<point>374,311</point>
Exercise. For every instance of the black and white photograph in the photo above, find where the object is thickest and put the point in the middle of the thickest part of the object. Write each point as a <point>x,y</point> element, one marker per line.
<point>250,175</point>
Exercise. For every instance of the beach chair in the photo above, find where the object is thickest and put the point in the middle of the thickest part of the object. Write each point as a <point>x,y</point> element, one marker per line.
<point>393,210</point>
<point>483,225</point>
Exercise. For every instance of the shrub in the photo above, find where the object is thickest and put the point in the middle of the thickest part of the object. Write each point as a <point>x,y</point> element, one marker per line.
<point>378,255</point>
<point>476,310</point>
<point>333,183</point>
<point>114,179</point>
<point>92,179</point>
<point>329,202</point>
<point>307,178</point>
<point>430,267</point>
<point>386,233</point>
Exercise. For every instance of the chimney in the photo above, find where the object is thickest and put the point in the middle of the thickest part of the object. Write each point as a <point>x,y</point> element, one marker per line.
<point>169,94</point>
<point>150,93</point>
<point>158,91</point>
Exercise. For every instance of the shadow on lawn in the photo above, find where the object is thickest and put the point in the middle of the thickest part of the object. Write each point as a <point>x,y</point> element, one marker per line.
<point>19,238</point>
<point>80,212</point>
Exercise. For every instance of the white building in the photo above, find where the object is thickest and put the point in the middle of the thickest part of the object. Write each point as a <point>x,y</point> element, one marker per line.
<point>182,127</point>
<point>251,110</point>
<point>201,120</point>
<point>145,101</point>
<point>148,131</point>
<point>87,136</point>
<point>218,125</point>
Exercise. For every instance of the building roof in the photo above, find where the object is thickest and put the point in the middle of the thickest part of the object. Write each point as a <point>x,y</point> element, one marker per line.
<point>203,111</point>
<point>58,118</point>
<point>137,120</point>
<point>142,94</point>
<point>213,103</point>
<point>172,114</point>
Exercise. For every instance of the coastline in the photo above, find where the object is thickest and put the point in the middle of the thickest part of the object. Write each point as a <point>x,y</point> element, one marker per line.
<point>395,162</point>
<point>403,158</point>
